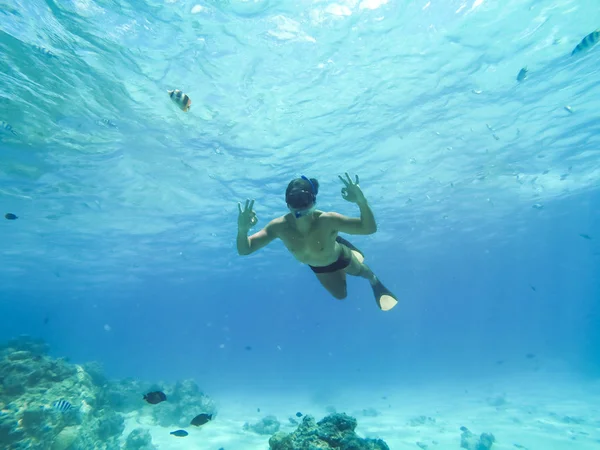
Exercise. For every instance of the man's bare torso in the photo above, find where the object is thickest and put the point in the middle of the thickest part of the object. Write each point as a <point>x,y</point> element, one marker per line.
<point>316,246</point>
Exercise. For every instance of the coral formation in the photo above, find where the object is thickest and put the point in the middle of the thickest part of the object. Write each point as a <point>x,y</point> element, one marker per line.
<point>470,441</point>
<point>370,412</point>
<point>421,420</point>
<point>334,432</point>
<point>139,439</point>
<point>31,382</point>
<point>65,438</point>
<point>267,425</point>
<point>186,401</point>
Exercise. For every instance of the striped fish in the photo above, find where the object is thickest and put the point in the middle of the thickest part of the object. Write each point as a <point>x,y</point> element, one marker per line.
<point>587,42</point>
<point>182,100</point>
<point>62,405</point>
<point>8,127</point>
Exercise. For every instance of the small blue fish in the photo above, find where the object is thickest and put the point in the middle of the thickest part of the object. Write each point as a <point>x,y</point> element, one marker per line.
<point>62,405</point>
<point>179,433</point>
<point>522,74</point>
<point>10,216</point>
<point>8,127</point>
<point>587,42</point>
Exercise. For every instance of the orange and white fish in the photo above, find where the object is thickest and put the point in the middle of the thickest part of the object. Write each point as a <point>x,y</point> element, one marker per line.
<point>182,100</point>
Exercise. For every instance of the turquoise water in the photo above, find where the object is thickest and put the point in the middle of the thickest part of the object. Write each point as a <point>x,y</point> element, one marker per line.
<point>124,247</point>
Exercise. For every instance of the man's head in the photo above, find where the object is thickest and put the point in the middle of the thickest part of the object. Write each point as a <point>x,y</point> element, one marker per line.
<point>301,195</point>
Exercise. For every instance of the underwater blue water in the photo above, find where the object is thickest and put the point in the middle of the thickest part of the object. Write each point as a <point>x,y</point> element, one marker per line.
<point>124,247</point>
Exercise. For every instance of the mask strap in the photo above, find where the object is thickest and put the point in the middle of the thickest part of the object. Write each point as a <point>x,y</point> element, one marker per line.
<point>312,187</point>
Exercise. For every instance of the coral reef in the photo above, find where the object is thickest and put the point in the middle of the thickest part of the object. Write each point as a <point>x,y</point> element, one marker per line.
<point>185,402</point>
<point>185,399</point>
<point>139,439</point>
<point>370,412</point>
<point>267,425</point>
<point>421,420</point>
<point>334,432</point>
<point>470,441</point>
<point>123,395</point>
<point>31,382</point>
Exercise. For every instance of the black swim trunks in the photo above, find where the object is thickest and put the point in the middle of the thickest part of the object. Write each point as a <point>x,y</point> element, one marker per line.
<point>342,262</point>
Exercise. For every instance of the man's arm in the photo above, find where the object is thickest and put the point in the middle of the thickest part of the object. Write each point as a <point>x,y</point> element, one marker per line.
<point>350,225</point>
<point>247,245</point>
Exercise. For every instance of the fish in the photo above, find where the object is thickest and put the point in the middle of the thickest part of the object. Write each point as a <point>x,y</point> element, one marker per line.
<point>182,100</point>
<point>62,405</point>
<point>10,216</point>
<point>298,414</point>
<point>107,122</point>
<point>8,127</point>
<point>45,51</point>
<point>201,419</point>
<point>155,397</point>
<point>522,74</point>
<point>529,356</point>
<point>587,42</point>
<point>179,433</point>
<point>586,236</point>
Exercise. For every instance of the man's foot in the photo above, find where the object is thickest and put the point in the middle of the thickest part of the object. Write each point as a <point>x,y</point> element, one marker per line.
<point>384,298</point>
<point>386,302</point>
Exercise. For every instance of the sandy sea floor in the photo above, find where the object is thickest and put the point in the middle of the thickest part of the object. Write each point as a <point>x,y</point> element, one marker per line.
<point>531,413</point>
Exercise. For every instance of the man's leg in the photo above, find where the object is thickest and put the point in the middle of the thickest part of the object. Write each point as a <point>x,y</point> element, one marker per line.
<point>358,268</point>
<point>385,299</point>
<point>334,282</point>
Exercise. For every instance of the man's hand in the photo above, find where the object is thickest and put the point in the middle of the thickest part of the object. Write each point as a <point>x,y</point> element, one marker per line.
<point>246,218</point>
<point>351,191</point>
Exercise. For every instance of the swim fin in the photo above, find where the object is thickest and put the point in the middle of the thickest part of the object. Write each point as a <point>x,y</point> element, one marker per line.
<point>343,241</point>
<point>384,298</point>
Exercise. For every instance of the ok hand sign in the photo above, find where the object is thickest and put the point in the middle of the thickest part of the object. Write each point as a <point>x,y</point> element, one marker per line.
<point>351,191</point>
<point>246,218</point>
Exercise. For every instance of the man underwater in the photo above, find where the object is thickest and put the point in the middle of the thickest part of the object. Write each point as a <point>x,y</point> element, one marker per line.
<point>312,236</point>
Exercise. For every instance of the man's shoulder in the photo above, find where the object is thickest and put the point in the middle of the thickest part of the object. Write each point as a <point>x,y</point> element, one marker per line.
<point>277,224</point>
<point>281,220</point>
<point>328,215</point>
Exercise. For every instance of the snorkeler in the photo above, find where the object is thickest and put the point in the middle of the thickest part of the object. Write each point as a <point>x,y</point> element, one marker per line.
<point>312,236</point>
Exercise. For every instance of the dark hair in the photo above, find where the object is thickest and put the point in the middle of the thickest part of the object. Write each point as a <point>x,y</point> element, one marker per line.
<point>301,192</point>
